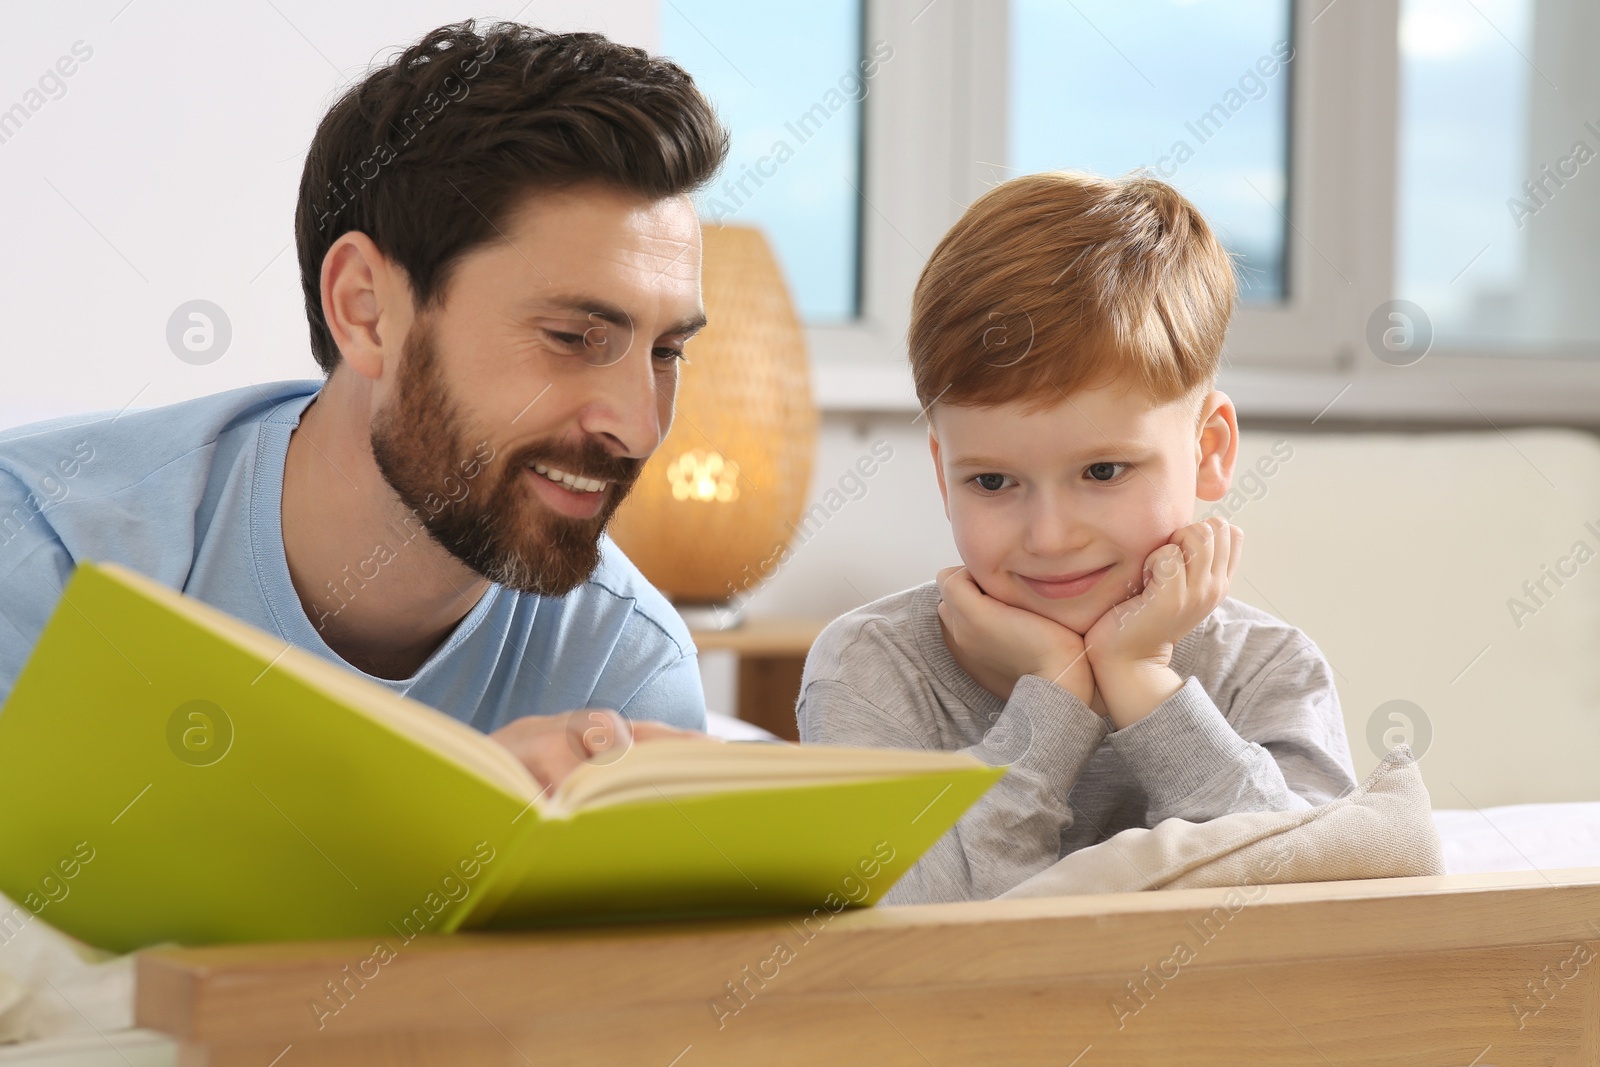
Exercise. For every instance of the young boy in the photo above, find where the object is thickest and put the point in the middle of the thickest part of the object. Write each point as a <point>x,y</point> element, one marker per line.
<point>1064,342</point>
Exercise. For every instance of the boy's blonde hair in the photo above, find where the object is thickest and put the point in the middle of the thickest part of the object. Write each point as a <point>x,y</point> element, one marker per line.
<point>1059,281</point>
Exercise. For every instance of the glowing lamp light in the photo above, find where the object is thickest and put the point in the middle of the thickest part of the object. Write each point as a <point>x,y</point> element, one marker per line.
<point>701,475</point>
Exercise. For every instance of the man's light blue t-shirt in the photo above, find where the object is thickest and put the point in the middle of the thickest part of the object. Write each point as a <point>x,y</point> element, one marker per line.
<point>191,495</point>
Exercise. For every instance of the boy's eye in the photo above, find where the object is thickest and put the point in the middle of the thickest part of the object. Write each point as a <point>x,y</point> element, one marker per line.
<point>990,482</point>
<point>1105,472</point>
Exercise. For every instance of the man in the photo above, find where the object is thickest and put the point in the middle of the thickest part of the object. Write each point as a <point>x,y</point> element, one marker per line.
<point>501,267</point>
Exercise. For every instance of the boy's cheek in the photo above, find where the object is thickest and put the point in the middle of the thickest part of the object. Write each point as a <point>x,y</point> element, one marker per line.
<point>981,544</point>
<point>979,552</point>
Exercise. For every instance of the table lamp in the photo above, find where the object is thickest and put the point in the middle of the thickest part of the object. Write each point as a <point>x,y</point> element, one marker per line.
<point>714,510</point>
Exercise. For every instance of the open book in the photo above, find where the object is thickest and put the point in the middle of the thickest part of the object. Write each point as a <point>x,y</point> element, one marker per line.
<point>170,773</point>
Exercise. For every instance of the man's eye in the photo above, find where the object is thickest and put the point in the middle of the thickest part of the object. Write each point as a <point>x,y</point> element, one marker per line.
<point>991,483</point>
<point>571,340</point>
<point>669,355</point>
<point>1105,472</point>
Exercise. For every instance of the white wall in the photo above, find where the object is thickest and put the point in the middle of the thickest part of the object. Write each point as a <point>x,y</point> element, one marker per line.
<point>164,169</point>
<point>891,535</point>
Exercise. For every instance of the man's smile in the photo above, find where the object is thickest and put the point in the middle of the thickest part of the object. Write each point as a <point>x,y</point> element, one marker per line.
<point>571,481</point>
<point>566,499</point>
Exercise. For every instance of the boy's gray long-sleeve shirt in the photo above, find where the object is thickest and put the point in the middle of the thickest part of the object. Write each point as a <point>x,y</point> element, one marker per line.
<point>1256,727</point>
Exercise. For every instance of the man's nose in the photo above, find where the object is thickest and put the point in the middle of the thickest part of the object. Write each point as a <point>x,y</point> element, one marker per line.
<point>623,402</point>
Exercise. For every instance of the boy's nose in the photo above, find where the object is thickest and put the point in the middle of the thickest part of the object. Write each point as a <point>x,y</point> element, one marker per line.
<point>1056,532</point>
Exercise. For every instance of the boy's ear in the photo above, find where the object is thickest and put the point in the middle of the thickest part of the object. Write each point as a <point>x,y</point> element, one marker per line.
<point>1219,446</point>
<point>938,468</point>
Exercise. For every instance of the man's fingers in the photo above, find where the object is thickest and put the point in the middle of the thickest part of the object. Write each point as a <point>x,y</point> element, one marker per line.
<point>598,734</point>
<point>552,763</point>
<point>552,746</point>
<point>540,744</point>
<point>1237,551</point>
<point>658,731</point>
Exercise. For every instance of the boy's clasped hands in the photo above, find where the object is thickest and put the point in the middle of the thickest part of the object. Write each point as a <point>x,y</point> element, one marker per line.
<point>1121,665</point>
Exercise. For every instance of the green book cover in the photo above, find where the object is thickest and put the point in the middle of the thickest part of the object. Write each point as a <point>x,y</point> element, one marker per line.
<point>170,773</point>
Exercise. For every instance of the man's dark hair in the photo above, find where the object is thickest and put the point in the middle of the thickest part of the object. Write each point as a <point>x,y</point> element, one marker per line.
<point>429,155</point>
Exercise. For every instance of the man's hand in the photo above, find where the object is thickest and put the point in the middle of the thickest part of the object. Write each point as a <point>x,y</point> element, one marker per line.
<point>550,746</point>
<point>1000,643</point>
<point>1130,646</point>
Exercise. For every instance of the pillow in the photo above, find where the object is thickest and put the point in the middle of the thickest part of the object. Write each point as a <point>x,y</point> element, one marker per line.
<point>1384,829</point>
<point>53,985</point>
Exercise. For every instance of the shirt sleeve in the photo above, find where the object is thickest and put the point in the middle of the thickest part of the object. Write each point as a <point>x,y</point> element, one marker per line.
<point>34,568</point>
<point>1043,736</point>
<point>1285,749</point>
<point>673,695</point>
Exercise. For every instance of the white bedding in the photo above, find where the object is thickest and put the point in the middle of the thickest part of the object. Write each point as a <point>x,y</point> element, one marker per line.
<point>1520,837</point>
<point>1517,837</point>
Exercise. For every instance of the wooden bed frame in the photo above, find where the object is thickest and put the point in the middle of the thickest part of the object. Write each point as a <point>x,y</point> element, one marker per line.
<point>1482,970</point>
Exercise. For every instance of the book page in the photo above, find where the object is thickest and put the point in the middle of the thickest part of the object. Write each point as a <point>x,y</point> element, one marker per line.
<point>653,770</point>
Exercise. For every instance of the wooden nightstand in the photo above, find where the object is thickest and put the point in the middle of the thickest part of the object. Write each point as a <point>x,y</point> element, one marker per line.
<point>771,655</point>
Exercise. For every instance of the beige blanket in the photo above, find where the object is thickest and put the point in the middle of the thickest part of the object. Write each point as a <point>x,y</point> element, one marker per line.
<point>1383,829</point>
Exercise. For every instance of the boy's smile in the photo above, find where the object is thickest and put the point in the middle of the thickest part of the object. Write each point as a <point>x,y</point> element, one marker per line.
<point>1055,511</point>
<point>1057,587</point>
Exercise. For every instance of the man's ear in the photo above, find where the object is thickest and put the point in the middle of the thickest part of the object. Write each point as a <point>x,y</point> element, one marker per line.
<point>938,468</point>
<point>1218,446</point>
<point>366,301</point>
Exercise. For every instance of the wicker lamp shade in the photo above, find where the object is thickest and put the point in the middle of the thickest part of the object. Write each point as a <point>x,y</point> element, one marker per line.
<point>717,503</point>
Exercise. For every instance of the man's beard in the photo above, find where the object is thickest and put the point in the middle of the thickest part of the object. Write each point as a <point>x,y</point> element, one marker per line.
<point>491,521</point>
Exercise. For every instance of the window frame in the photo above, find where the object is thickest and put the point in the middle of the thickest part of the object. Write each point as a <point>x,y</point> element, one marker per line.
<point>923,115</point>
<point>939,106</point>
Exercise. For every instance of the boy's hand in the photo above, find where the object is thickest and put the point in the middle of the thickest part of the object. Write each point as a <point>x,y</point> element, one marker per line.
<point>1130,646</point>
<point>1001,643</point>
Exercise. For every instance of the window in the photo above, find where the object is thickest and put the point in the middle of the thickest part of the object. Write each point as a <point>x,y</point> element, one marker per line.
<point>1199,93</point>
<point>1407,155</point>
<point>1499,194</point>
<point>789,83</point>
